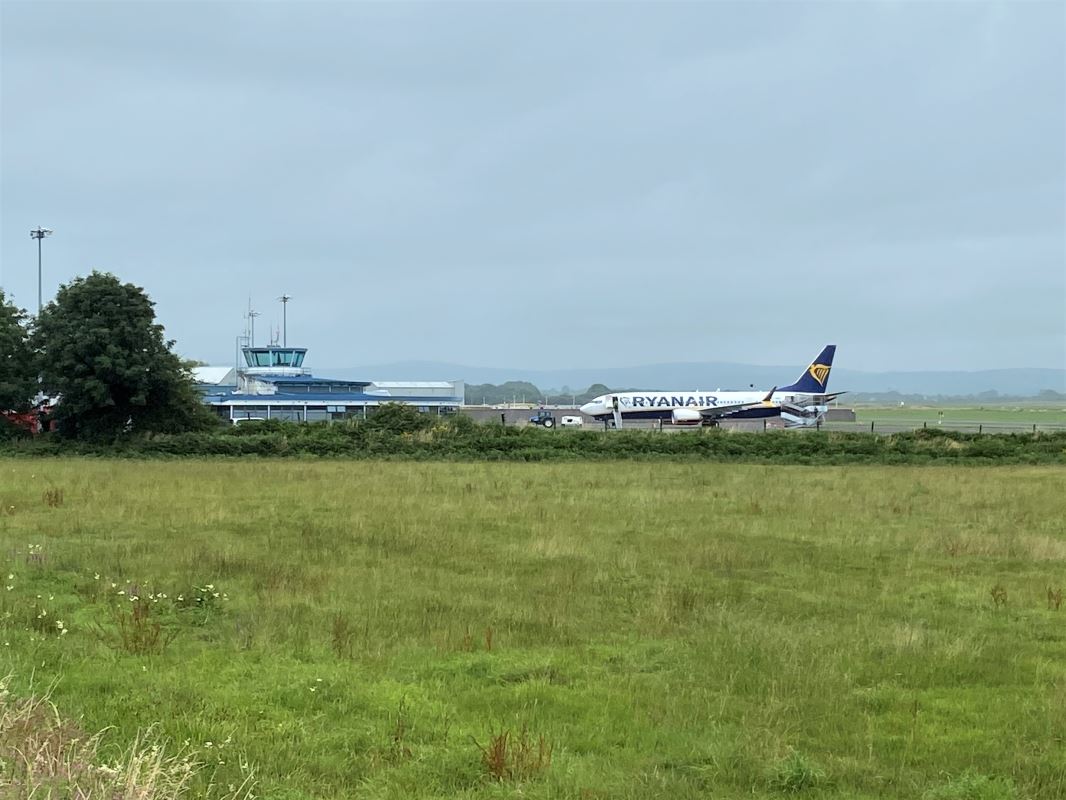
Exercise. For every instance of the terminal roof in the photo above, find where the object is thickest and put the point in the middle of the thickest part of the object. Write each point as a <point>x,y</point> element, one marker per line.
<point>308,380</point>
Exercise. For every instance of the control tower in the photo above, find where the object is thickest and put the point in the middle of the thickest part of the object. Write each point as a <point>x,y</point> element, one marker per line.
<point>275,361</point>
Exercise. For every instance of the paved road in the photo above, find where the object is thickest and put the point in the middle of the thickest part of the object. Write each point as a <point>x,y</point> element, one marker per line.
<point>520,416</point>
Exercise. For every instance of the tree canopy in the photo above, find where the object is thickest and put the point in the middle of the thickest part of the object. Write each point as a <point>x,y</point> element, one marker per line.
<point>18,378</point>
<point>102,352</point>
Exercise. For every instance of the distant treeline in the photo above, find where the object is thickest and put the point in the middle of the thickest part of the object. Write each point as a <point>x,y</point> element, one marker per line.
<point>525,392</point>
<point>990,397</point>
<point>399,432</point>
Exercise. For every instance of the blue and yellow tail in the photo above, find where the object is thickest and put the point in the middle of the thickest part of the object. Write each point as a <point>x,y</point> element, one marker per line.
<point>816,378</point>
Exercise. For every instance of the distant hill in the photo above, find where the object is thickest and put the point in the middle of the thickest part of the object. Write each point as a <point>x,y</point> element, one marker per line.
<point>711,376</point>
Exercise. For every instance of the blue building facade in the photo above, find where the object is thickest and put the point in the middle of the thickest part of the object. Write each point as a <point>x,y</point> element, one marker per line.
<point>273,384</point>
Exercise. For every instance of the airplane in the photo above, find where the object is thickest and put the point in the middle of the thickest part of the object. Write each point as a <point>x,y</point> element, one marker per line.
<point>801,403</point>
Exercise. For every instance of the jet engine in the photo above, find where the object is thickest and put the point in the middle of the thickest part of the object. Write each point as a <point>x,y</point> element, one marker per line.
<point>685,416</point>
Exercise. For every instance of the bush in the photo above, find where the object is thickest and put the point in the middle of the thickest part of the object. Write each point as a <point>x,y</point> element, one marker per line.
<point>401,432</point>
<point>399,418</point>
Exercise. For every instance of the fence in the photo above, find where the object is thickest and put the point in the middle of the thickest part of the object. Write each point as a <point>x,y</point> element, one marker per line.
<point>962,426</point>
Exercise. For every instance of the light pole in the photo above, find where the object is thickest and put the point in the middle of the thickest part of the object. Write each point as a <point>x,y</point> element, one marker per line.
<point>39,233</point>
<point>285,298</point>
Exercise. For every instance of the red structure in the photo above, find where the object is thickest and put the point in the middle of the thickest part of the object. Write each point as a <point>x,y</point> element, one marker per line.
<point>33,422</point>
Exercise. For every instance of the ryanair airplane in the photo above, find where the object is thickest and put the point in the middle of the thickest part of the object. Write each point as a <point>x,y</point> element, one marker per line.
<point>798,404</point>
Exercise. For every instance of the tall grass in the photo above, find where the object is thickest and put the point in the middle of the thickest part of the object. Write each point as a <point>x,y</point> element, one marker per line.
<point>588,630</point>
<point>46,756</point>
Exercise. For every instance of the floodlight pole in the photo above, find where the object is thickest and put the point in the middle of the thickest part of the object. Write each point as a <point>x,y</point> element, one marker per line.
<point>39,233</point>
<point>285,298</point>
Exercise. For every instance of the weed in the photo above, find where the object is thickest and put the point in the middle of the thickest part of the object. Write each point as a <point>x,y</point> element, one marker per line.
<point>53,498</point>
<point>796,773</point>
<point>199,603</point>
<point>514,757</point>
<point>40,620</point>
<point>341,636</point>
<point>35,556</point>
<point>398,749</point>
<point>999,595</point>
<point>488,639</point>
<point>136,631</point>
<point>244,629</point>
<point>1054,598</point>
<point>679,603</point>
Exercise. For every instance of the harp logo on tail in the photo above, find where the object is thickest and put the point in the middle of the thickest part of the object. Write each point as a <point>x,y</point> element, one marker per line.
<point>819,372</point>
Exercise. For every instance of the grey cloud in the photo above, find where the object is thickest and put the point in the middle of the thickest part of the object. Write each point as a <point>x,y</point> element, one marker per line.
<point>742,181</point>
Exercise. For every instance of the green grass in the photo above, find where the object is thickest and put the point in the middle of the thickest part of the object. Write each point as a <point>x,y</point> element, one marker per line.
<point>1022,416</point>
<point>665,630</point>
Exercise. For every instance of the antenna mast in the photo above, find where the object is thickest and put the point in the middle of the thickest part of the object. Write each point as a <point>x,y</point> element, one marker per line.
<point>285,298</point>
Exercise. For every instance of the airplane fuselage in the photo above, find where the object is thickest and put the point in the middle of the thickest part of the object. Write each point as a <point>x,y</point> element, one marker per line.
<point>800,403</point>
<point>661,405</point>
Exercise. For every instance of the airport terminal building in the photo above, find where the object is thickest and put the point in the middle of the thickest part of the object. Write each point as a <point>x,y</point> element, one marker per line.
<point>273,384</point>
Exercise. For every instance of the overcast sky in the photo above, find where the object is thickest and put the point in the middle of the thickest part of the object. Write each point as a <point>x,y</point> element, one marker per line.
<point>552,185</point>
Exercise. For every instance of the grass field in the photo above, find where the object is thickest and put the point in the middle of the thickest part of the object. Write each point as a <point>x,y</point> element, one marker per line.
<point>971,419</point>
<point>1022,416</point>
<point>582,630</point>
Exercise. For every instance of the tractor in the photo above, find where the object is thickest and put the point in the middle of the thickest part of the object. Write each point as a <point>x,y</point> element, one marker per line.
<point>544,418</point>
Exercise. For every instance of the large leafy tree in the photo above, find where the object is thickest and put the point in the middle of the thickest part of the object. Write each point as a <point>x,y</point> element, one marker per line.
<point>18,377</point>
<point>102,352</point>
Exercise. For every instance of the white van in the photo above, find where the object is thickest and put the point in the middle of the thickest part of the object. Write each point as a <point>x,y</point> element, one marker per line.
<point>571,422</point>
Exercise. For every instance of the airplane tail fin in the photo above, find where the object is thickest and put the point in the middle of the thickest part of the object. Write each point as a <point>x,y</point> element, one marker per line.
<point>816,377</point>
